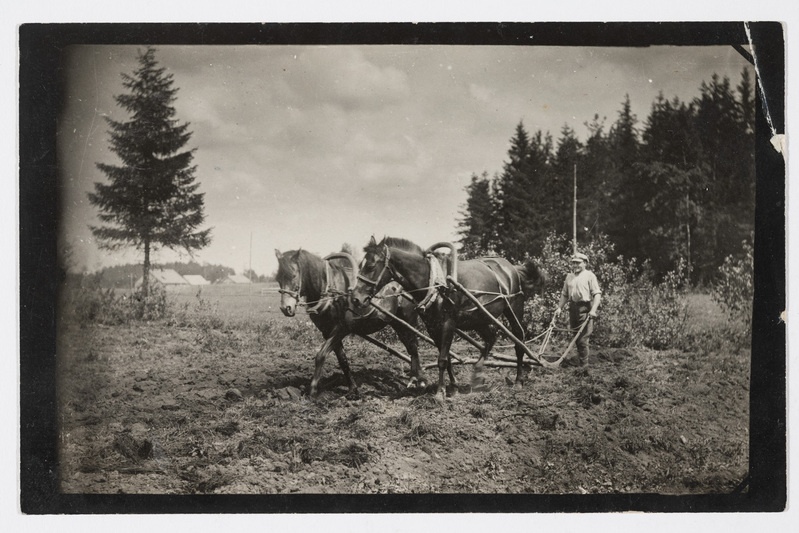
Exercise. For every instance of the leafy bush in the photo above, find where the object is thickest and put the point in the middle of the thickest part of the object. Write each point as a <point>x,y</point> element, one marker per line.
<point>734,288</point>
<point>635,310</point>
<point>733,291</point>
<point>204,314</point>
<point>87,301</point>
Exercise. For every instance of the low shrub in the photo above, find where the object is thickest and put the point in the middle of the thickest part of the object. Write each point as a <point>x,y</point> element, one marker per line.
<point>636,310</point>
<point>734,291</point>
<point>87,301</point>
<point>202,314</point>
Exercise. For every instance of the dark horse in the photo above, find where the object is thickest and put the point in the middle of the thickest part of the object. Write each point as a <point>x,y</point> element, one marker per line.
<point>325,285</point>
<point>499,286</point>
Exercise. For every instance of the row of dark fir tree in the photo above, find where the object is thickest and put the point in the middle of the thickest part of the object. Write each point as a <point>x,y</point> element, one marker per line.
<point>679,185</point>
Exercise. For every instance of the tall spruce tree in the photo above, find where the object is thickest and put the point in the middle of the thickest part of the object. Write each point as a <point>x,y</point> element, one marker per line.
<point>515,196</point>
<point>152,197</point>
<point>477,228</point>
<point>561,189</point>
<point>630,192</point>
<point>727,151</point>
<point>671,163</point>
<point>596,182</point>
<point>521,198</point>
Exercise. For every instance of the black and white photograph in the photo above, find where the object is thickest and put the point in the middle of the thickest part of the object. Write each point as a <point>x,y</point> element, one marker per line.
<point>528,264</point>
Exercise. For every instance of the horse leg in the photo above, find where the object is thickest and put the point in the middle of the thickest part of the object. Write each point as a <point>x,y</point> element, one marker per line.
<point>514,315</point>
<point>444,361</point>
<point>411,342</point>
<point>345,367</point>
<point>489,337</point>
<point>334,339</point>
<point>451,374</point>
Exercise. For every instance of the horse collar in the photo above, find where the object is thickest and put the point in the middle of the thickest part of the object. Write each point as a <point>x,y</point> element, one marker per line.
<point>323,301</point>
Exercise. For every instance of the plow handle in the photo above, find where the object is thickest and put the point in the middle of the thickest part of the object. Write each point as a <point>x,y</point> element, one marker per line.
<point>453,269</point>
<point>353,273</point>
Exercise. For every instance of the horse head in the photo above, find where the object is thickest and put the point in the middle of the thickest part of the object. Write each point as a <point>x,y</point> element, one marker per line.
<point>373,272</point>
<point>534,278</point>
<point>289,278</point>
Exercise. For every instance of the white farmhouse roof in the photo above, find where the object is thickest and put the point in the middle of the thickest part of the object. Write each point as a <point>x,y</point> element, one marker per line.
<point>164,277</point>
<point>236,278</point>
<point>196,279</point>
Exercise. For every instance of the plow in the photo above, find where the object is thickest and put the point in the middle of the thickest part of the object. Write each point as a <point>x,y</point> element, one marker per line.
<point>338,297</point>
<point>542,356</point>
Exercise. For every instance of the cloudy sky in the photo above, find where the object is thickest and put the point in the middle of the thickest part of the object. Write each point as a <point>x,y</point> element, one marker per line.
<point>315,146</point>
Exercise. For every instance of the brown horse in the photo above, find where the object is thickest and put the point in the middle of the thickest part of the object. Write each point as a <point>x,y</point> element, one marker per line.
<point>499,286</point>
<point>325,286</point>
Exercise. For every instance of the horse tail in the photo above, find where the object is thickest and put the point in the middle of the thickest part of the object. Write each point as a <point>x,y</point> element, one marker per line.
<point>533,277</point>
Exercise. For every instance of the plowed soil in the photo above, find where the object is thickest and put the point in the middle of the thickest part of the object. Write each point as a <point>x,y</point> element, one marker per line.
<point>219,406</point>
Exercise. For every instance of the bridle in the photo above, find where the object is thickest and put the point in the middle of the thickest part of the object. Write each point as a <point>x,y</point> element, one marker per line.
<point>294,293</point>
<point>386,266</point>
<point>328,293</point>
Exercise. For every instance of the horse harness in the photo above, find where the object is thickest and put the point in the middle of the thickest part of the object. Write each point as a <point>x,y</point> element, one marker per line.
<point>438,288</point>
<point>327,296</point>
<point>504,288</point>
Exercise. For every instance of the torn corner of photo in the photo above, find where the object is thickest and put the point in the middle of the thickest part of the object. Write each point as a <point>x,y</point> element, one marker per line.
<point>778,142</point>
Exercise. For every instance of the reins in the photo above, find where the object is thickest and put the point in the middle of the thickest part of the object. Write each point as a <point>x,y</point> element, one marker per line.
<point>436,281</point>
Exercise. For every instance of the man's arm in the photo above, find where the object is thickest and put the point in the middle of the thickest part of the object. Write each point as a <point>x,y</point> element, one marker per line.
<point>595,304</point>
<point>562,301</point>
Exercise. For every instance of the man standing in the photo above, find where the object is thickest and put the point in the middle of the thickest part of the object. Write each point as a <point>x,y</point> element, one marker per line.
<point>581,290</point>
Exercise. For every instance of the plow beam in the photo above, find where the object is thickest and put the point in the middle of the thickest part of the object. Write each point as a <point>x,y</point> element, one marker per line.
<point>540,360</point>
<point>387,348</point>
<point>410,327</point>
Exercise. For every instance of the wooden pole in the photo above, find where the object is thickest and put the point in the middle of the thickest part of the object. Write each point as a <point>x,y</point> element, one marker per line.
<point>498,364</point>
<point>387,348</point>
<point>569,347</point>
<point>410,327</point>
<point>471,340</point>
<point>574,214</point>
<point>497,323</point>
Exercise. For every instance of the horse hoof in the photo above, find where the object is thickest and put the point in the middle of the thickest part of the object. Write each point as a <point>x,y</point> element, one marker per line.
<point>441,397</point>
<point>518,385</point>
<point>412,383</point>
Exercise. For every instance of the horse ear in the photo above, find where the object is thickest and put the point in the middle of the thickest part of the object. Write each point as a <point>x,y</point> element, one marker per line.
<point>372,241</point>
<point>278,254</point>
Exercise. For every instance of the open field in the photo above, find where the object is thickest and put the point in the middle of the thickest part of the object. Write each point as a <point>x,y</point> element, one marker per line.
<point>211,400</point>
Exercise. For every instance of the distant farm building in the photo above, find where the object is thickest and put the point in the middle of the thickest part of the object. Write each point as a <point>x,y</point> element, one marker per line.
<point>196,279</point>
<point>234,278</point>
<point>163,278</point>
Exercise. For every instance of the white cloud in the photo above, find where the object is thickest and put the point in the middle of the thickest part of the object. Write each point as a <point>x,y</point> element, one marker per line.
<point>481,92</point>
<point>313,145</point>
<point>344,77</point>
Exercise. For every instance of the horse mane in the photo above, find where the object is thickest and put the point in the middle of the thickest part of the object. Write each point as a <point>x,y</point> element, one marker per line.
<point>306,261</point>
<point>532,275</point>
<point>395,242</point>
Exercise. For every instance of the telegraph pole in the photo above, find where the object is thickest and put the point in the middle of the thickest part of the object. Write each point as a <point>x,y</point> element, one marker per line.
<point>574,210</point>
<point>250,273</point>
